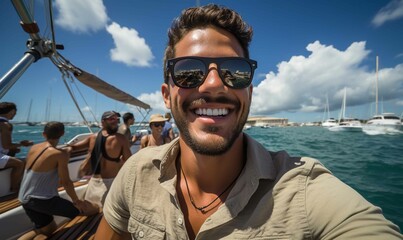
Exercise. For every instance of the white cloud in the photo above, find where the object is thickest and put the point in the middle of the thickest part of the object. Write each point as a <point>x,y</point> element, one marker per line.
<point>392,11</point>
<point>155,100</point>
<point>86,109</point>
<point>399,103</point>
<point>81,16</point>
<point>130,48</point>
<point>301,84</point>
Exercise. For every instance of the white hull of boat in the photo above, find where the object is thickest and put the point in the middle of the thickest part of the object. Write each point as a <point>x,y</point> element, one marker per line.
<point>345,129</point>
<point>371,129</point>
<point>328,124</point>
<point>386,123</point>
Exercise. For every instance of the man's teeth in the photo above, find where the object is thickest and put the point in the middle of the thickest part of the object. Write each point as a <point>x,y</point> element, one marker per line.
<point>212,112</point>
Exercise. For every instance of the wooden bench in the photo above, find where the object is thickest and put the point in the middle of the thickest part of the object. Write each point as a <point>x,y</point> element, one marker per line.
<point>81,227</point>
<point>11,201</point>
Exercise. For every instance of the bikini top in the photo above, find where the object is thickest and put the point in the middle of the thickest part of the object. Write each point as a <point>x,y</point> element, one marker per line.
<point>99,149</point>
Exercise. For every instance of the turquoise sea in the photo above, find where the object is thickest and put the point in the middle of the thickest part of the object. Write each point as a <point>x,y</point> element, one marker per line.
<point>371,164</point>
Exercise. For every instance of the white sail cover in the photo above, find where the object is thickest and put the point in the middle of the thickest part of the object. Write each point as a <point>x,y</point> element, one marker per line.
<point>108,90</point>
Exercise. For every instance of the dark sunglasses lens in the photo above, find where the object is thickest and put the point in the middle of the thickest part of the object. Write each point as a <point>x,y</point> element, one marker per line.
<point>188,73</point>
<point>236,73</point>
<point>158,124</point>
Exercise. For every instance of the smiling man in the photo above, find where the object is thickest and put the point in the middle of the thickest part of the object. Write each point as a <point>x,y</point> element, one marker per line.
<point>107,152</point>
<point>214,181</point>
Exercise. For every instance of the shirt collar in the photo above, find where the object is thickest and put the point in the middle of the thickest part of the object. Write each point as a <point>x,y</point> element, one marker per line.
<point>259,163</point>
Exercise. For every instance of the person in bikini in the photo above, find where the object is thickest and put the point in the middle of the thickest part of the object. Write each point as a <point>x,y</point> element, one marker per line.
<point>8,110</point>
<point>45,166</point>
<point>107,152</point>
<point>156,138</point>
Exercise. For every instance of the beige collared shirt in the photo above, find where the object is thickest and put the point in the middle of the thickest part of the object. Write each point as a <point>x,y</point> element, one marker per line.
<point>275,197</point>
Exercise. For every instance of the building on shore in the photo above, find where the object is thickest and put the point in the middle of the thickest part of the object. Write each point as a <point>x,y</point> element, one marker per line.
<point>262,121</point>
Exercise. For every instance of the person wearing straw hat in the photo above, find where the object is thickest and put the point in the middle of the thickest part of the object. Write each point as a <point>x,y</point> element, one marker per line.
<point>157,123</point>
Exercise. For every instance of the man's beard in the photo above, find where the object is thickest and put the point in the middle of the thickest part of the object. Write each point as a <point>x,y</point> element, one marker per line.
<point>111,130</point>
<point>210,148</point>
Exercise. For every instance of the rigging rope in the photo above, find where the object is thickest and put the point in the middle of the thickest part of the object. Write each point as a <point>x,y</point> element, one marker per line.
<point>74,99</point>
<point>52,30</point>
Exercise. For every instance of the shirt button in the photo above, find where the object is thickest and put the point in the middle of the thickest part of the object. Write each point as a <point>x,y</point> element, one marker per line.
<point>180,221</point>
<point>141,234</point>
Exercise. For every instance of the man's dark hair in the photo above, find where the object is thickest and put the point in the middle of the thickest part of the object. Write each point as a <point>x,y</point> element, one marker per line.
<point>6,107</point>
<point>54,130</point>
<point>127,116</point>
<point>203,17</point>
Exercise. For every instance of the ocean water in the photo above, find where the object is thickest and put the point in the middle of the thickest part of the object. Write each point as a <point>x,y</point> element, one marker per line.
<point>371,164</point>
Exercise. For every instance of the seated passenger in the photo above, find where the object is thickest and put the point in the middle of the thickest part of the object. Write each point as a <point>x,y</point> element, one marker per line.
<point>8,149</point>
<point>45,166</point>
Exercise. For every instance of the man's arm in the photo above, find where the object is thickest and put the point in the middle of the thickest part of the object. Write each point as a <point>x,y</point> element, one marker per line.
<point>126,148</point>
<point>171,134</point>
<point>63,172</point>
<point>336,211</point>
<point>5,130</point>
<point>83,144</point>
<point>105,231</point>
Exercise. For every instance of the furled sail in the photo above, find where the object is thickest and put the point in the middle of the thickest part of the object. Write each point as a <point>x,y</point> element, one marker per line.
<point>108,90</point>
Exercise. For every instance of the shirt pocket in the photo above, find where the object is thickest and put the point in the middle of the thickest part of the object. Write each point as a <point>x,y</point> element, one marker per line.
<point>140,230</point>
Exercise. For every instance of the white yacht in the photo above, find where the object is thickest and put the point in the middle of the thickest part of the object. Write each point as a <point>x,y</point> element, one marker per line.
<point>346,124</point>
<point>385,121</point>
<point>331,122</point>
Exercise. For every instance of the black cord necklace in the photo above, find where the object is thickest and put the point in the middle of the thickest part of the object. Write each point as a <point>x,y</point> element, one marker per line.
<point>202,208</point>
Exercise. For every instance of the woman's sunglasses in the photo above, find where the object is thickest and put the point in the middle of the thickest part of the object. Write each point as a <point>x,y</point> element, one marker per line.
<point>158,124</point>
<point>190,72</point>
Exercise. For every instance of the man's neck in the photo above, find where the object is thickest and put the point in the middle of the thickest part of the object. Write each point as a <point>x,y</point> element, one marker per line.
<point>212,173</point>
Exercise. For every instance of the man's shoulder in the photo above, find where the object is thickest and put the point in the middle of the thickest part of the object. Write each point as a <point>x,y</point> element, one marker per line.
<point>5,124</point>
<point>154,154</point>
<point>122,127</point>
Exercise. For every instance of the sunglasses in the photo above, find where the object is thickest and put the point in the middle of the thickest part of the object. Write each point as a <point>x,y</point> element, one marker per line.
<point>111,119</point>
<point>162,124</point>
<point>190,72</point>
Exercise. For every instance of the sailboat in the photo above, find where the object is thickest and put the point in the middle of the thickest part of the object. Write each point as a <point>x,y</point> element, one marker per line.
<point>346,124</point>
<point>384,122</point>
<point>329,122</point>
<point>13,220</point>
<point>29,123</point>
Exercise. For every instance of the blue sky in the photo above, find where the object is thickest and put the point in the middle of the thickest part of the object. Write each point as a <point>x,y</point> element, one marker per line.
<point>305,51</point>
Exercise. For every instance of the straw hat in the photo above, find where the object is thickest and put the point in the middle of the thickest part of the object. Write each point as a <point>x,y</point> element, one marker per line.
<point>157,118</point>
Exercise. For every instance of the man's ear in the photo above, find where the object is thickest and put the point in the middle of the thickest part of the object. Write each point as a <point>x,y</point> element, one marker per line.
<point>165,90</point>
<point>250,92</point>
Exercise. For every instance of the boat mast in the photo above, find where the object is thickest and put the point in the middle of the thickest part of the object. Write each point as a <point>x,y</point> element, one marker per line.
<point>376,87</point>
<point>29,110</point>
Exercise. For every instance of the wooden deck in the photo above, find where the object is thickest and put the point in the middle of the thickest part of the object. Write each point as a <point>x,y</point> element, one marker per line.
<point>81,227</point>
